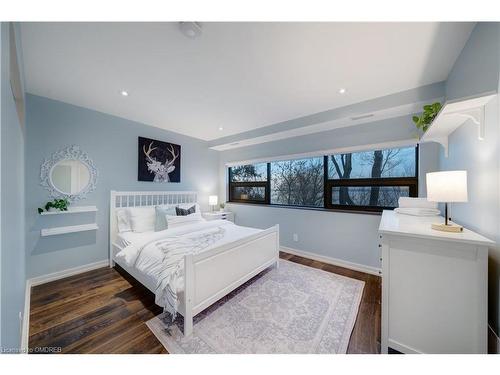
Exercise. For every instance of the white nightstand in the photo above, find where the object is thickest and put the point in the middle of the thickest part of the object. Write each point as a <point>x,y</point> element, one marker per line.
<point>218,215</point>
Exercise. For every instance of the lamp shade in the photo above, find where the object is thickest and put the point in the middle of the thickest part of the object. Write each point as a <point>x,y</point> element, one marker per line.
<point>448,186</point>
<point>212,200</point>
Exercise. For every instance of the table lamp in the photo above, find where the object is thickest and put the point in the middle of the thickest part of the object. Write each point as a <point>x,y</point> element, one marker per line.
<point>447,187</point>
<point>212,201</point>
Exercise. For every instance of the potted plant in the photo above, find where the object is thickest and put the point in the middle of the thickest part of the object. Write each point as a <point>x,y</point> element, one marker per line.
<point>428,115</point>
<point>55,205</point>
<point>222,206</point>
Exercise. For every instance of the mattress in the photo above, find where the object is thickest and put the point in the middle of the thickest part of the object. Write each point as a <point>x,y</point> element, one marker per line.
<point>139,252</point>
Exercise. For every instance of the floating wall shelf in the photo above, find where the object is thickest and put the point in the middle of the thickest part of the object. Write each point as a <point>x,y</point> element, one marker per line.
<point>68,229</point>
<point>72,210</point>
<point>454,114</point>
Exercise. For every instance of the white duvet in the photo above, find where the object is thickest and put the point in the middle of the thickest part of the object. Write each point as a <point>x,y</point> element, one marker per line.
<point>160,255</point>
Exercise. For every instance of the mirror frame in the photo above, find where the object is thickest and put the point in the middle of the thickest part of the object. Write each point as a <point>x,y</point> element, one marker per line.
<point>72,152</point>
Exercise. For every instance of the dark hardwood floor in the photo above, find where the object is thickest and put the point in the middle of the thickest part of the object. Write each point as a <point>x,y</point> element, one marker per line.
<point>105,311</point>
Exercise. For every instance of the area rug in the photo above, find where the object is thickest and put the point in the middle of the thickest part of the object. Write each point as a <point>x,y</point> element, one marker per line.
<point>290,309</point>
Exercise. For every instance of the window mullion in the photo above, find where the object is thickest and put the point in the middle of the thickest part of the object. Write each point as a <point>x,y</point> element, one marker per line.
<point>326,198</point>
<point>268,185</point>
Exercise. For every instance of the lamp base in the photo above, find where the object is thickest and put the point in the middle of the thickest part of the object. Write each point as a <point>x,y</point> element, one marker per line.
<point>448,228</point>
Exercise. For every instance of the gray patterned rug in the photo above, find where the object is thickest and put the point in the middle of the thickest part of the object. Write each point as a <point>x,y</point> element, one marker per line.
<point>292,309</point>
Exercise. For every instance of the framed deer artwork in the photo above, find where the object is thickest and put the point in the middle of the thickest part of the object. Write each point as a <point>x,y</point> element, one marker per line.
<point>159,161</point>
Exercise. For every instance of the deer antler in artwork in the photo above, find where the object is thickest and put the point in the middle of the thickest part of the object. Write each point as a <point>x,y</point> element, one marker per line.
<point>170,163</point>
<point>147,153</point>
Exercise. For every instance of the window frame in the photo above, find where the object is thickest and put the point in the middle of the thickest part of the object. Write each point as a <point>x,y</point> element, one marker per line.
<point>410,182</point>
<point>265,184</point>
<point>328,184</point>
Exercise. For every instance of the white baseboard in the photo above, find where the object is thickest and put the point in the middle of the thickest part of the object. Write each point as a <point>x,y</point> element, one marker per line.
<point>38,280</point>
<point>334,261</point>
<point>26,317</point>
<point>45,279</point>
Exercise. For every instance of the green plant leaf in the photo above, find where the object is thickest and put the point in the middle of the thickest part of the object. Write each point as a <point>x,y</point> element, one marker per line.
<point>430,111</point>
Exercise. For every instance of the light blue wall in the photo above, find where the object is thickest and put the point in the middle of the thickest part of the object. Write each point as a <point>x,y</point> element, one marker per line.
<point>346,236</point>
<point>112,144</point>
<point>12,232</point>
<point>476,71</point>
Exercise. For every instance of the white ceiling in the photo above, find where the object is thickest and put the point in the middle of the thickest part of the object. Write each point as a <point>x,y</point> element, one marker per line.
<point>240,76</point>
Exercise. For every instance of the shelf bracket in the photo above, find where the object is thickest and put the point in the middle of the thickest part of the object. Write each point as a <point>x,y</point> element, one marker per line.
<point>455,114</point>
<point>476,115</point>
<point>481,123</point>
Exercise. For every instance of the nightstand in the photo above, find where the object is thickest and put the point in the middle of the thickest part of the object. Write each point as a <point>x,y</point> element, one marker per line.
<point>218,215</point>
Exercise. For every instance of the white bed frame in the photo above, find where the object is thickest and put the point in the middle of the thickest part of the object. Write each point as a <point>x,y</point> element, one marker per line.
<point>209,275</point>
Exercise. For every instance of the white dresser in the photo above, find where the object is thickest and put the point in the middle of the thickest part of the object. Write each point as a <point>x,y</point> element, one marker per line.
<point>434,287</point>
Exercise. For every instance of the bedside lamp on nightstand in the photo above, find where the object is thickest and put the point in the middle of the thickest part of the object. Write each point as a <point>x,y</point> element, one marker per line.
<point>212,201</point>
<point>447,187</point>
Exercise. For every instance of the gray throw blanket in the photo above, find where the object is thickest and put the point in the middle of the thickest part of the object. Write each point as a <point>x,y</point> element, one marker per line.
<point>174,249</point>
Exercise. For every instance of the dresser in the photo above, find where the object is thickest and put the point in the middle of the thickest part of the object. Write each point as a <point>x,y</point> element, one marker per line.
<point>434,287</point>
<point>218,215</point>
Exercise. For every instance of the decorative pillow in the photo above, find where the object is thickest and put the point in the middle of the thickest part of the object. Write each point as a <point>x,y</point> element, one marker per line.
<point>177,221</point>
<point>184,212</point>
<point>161,222</point>
<point>188,205</point>
<point>123,219</point>
<point>142,219</point>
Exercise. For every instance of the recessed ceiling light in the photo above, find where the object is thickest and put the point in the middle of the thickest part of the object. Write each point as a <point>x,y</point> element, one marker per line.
<point>342,91</point>
<point>124,93</point>
<point>221,128</point>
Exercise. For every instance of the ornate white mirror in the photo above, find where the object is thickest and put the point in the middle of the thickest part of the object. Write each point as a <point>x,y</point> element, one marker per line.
<point>69,176</point>
<point>69,173</point>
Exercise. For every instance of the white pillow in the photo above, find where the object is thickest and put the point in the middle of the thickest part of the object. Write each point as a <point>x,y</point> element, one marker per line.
<point>123,220</point>
<point>177,221</point>
<point>142,219</point>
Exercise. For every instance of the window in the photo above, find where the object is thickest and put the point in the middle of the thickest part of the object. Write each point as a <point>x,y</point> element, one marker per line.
<point>298,182</point>
<point>371,180</point>
<point>249,183</point>
<point>368,180</point>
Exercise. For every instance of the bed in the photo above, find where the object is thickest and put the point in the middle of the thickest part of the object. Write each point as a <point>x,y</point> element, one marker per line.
<point>208,275</point>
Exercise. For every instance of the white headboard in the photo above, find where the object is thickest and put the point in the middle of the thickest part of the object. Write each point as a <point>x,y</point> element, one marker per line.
<point>121,199</point>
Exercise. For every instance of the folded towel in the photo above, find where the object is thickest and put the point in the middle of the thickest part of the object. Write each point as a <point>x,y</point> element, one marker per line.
<point>418,211</point>
<point>406,202</point>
